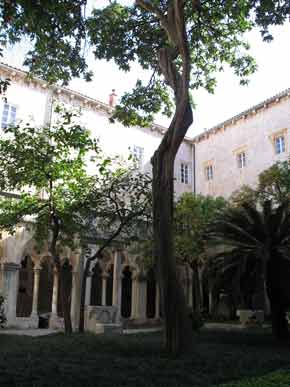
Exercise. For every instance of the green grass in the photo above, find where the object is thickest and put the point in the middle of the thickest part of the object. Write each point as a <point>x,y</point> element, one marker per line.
<point>138,360</point>
<point>280,378</point>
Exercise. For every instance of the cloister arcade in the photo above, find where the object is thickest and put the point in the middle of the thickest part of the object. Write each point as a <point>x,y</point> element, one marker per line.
<point>31,285</point>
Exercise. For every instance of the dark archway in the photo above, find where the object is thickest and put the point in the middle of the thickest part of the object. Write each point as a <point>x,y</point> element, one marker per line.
<point>151,294</point>
<point>45,287</point>
<point>25,288</point>
<point>109,289</point>
<point>126,293</point>
<point>96,290</point>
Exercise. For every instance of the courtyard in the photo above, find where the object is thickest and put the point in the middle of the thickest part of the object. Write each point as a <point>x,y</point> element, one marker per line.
<point>217,358</point>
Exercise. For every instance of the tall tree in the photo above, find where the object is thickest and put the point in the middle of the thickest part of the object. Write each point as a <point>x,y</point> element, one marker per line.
<point>184,43</point>
<point>192,215</point>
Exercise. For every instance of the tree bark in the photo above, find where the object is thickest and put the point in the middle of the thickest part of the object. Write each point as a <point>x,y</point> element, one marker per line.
<point>64,286</point>
<point>83,297</point>
<point>196,287</point>
<point>176,316</point>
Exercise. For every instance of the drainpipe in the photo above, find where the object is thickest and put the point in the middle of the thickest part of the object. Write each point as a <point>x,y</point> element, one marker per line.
<point>193,168</point>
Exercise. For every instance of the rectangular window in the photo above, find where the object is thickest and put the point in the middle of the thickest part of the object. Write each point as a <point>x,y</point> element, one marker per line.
<point>138,155</point>
<point>209,172</point>
<point>184,173</point>
<point>8,115</point>
<point>279,144</point>
<point>241,159</point>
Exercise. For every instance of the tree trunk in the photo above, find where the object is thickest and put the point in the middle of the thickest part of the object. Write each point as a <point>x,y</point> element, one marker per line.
<point>64,294</point>
<point>83,297</point>
<point>176,316</point>
<point>196,286</point>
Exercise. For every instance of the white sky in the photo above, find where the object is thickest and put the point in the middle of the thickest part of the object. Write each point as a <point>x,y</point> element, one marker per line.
<point>272,76</point>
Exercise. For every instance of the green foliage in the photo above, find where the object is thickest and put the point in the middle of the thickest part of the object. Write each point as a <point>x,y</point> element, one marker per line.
<point>280,378</point>
<point>193,214</point>
<point>244,195</point>
<point>128,33</point>
<point>274,183</point>
<point>57,35</point>
<point>2,312</point>
<point>47,167</point>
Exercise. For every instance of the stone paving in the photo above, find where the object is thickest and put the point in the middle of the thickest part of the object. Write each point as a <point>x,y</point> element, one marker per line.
<point>28,332</point>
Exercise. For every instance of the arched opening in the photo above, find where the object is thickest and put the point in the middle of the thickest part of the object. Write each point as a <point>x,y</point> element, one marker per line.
<point>151,294</point>
<point>45,287</point>
<point>25,288</point>
<point>126,293</point>
<point>109,289</point>
<point>96,290</point>
<point>65,280</point>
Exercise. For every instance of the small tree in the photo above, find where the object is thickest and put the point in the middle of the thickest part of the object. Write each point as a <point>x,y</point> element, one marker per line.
<point>193,214</point>
<point>259,238</point>
<point>47,168</point>
<point>116,211</point>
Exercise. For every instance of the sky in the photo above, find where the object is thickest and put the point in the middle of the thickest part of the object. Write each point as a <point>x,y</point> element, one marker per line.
<point>229,99</point>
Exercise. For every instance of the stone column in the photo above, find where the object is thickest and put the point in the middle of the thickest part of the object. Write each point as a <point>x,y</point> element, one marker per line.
<point>10,290</point>
<point>142,298</point>
<point>1,277</point>
<point>117,283</point>
<point>73,305</point>
<point>88,288</point>
<point>36,271</point>
<point>135,296</point>
<point>190,300</point>
<point>104,288</point>
<point>55,292</point>
<point>157,302</point>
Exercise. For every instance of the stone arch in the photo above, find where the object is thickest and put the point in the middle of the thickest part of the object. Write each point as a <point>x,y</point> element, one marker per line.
<point>126,301</point>
<point>151,293</point>
<point>25,288</point>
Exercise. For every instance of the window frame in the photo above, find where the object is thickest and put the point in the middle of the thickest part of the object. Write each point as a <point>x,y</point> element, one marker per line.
<point>11,112</point>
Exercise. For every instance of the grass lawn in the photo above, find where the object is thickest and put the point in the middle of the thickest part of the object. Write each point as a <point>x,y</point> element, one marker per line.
<point>217,358</point>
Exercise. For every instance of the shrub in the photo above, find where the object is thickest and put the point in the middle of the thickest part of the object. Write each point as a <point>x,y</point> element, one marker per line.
<point>196,320</point>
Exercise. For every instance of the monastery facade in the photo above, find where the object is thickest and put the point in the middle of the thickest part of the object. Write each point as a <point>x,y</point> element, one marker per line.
<point>119,289</point>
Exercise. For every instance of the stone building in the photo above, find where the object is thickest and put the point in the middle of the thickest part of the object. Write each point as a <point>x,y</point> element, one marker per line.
<point>119,289</point>
<point>236,151</point>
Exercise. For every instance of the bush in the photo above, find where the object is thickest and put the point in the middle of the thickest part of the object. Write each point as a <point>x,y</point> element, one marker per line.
<point>2,313</point>
<point>196,320</point>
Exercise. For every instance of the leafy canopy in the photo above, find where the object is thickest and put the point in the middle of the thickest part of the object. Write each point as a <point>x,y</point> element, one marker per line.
<point>61,32</point>
<point>47,167</point>
<point>193,214</point>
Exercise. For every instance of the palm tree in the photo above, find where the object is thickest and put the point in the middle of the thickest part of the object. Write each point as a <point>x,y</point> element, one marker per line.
<point>259,239</point>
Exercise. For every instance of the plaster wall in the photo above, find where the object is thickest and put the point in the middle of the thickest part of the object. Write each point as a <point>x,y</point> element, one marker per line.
<point>254,135</point>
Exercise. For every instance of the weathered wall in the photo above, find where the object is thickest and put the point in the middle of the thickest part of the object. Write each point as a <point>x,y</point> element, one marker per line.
<point>254,134</point>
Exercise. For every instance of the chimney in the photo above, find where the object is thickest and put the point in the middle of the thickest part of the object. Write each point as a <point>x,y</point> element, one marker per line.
<point>112,98</point>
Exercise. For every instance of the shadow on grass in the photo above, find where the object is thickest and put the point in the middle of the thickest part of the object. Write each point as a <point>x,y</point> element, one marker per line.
<point>137,360</point>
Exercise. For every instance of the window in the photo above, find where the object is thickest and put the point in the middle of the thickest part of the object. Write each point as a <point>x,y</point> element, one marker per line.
<point>138,155</point>
<point>209,172</point>
<point>184,173</point>
<point>8,115</point>
<point>279,144</point>
<point>241,159</point>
